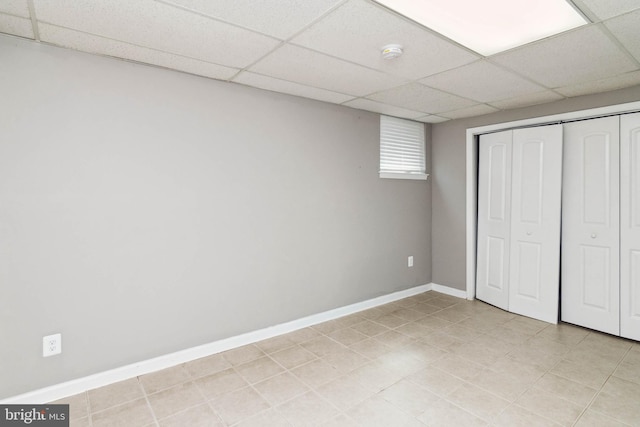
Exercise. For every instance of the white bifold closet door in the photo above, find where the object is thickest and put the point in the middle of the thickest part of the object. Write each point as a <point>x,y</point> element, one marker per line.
<point>519,189</point>
<point>591,225</point>
<point>630,226</point>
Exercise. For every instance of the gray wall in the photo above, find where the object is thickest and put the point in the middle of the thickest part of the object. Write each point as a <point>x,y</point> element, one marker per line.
<point>145,211</point>
<point>449,177</point>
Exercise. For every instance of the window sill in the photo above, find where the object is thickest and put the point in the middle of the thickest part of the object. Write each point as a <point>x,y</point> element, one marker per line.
<point>399,175</point>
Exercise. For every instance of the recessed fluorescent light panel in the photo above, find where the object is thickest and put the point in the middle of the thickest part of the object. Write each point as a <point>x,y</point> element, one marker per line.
<point>491,26</point>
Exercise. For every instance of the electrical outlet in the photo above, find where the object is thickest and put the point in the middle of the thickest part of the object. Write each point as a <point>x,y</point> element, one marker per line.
<point>410,261</point>
<point>51,345</point>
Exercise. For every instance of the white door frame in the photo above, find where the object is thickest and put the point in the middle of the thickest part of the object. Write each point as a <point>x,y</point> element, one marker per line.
<point>472,168</point>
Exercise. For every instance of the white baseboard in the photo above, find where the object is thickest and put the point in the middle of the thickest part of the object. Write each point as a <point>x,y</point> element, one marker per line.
<point>449,291</point>
<point>69,388</point>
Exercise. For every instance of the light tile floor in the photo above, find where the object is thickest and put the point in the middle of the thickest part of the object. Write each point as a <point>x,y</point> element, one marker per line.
<point>430,359</point>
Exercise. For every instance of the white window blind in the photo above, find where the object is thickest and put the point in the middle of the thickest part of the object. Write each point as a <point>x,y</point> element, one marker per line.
<point>402,148</point>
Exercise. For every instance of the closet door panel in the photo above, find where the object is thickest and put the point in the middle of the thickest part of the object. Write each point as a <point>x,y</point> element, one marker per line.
<point>630,226</point>
<point>535,222</point>
<point>590,225</point>
<point>494,211</point>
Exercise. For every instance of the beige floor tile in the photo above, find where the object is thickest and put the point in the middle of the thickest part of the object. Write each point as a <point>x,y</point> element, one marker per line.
<point>477,353</point>
<point>525,324</point>
<point>441,340</point>
<point>439,382</point>
<point>394,339</point>
<point>629,369</point>
<point>495,343</point>
<point>390,321</point>
<point>547,346</point>
<point>322,346</point>
<point>239,405</point>
<point>426,308</point>
<point>316,373</point>
<point>377,412</point>
<point>165,378</point>
<point>502,384</point>
<point>515,416</point>
<point>415,330</point>
<point>258,370</point>
<point>459,367</point>
<point>479,324</point>
<point>479,402</point>
<point>591,418</point>
<point>346,360</point>
<point>303,335</point>
<point>619,399</point>
<point>528,355</point>
<point>521,371</point>
<point>307,410</point>
<point>374,377</point>
<point>589,375</point>
<point>80,422</point>
<point>564,333</point>
<point>340,421</point>
<point>275,344</point>
<point>280,388</point>
<point>572,391</point>
<point>369,328</point>
<point>347,336</point>
<point>293,357</point>
<point>402,362</point>
<point>370,348</point>
<point>198,416</point>
<point>344,392</point>
<point>433,323</point>
<point>509,335</point>
<point>114,394</point>
<point>550,406</point>
<point>444,301</point>
<point>372,313</point>
<point>350,320</point>
<point>134,413</point>
<point>244,354</point>
<point>408,397</point>
<point>78,405</point>
<point>207,366</point>
<point>268,418</point>
<point>452,314</point>
<point>425,352</point>
<point>175,399</point>
<point>216,385</point>
<point>461,332</point>
<point>445,414</point>
<point>408,314</point>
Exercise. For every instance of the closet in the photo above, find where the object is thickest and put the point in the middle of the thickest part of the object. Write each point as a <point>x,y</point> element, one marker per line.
<point>559,222</point>
<point>601,225</point>
<point>519,220</point>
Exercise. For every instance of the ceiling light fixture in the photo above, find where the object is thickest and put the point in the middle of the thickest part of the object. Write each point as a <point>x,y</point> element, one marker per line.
<point>491,26</point>
<point>391,51</point>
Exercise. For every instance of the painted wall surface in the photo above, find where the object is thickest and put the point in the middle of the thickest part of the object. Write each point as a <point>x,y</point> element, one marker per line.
<point>449,177</point>
<point>145,211</point>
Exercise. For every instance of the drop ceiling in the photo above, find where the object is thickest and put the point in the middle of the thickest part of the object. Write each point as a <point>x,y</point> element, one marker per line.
<point>329,50</point>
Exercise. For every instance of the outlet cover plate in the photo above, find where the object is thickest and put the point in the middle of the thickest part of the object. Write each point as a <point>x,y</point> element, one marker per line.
<point>51,345</point>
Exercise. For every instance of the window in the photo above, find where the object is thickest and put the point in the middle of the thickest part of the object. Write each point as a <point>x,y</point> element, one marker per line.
<point>402,149</point>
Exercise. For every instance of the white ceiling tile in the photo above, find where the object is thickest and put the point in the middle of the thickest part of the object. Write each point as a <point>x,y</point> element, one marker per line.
<point>605,9</point>
<point>476,110</point>
<point>415,96</point>
<point>432,119</point>
<point>283,86</point>
<point>15,7</point>
<point>159,26</point>
<point>377,107</point>
<point>482,81</point>
<point>570,58</point>
<point>526,100</point>
<point>310,68</point>
<point>604,85</point>
<point>103,46</point>
<point>10,24</point>
<point>282,18</point>
<point>357,31</point>
<point>627,30</point>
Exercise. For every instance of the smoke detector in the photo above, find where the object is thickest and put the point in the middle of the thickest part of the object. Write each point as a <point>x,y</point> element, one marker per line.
<point>391,51</point>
